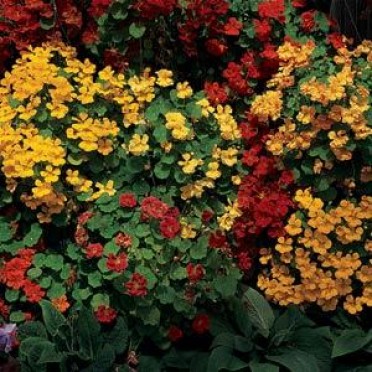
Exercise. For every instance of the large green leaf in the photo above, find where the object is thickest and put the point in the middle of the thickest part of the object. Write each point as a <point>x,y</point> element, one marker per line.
<point>222,358</point>
<point>118,336</point>
<point>350,341</point>
<point>295,360</point>
<point>259,311</point>
<point>88,332</point>
<point>263,367</point>
<point>53,319</point>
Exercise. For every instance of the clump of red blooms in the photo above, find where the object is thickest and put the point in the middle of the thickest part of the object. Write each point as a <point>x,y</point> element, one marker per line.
<point>136,286</point>
<point>169,225</point>
<point>151,9</point>
<point>195,273</point>
<point>174,333</point>
<point>13,274</point>
<point>201,324</point>
<point>21,23</point>
<point>208,16</point>
<point>105,314</point>
<point>264,195</point>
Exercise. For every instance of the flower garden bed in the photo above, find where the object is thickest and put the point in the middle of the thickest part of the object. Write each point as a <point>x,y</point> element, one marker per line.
<point>184,186</point>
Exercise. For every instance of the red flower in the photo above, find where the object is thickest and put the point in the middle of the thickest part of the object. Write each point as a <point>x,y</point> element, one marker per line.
<point>151,9</point>
<point>98,7</point>
<point>336,40</point>
<point>200,324</point>
<point>299,3</point>
<point>216,94</point>
<point>153,207</point>
<point>272,9</point>
<point>137,286</point>
<point>117,263</point>
<point>286,178</point>
<point>262,29</point>
<point>4,309</point>
<point>244,261</point>
<point>174,333</point>
<point>13,272</point>
<point>26,254</point>
<point>216,47</point>
<point>195,272</point>
<point>33,291</point>
<point>105,314</point>
<point>308,21</point>
<point>84,217</point>
<point>123,240</point>
<point>232,27</point>
<point>169,227</point>
<point>207,216</point>
<point>94,250</point>
<point>217,240</point>
<point>81,236</point>
<point>127,200</point>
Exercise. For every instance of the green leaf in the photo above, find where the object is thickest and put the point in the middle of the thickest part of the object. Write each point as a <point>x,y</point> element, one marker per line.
<point>241,317</point>
<point>137,31</point>
<point>5,231</point>
<point>52,318</point>
<point>54,261</point>
<point>118,336</point>
<point>162,171</point>
<point>263,367</point>
<point>225,285</point>
<point>104,359</point>
<point>350,341</point>
<point>95,279</point>
<point>199,250</point>
<point>11,295</point>
<point>259,311</point>
<point>33,236</point>
<point>31,329</point>
<point>222,358</point>
<point>56,290</point>
<point>88,331</point>
<point>150,316</point>
<point>178,273</point>
<point>17,316</point>
<point>100,299</point>
<point>160,133</point>
<point>295,360</point>
<point>34,273</point>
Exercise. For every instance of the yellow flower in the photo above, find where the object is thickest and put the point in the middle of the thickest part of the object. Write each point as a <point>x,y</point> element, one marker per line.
<point>164,78</point>
<point>236,180</point>
<point>189,164</point>
<point>138,145</point>
<point>207,109</point>
<point>187,230</point>
<point>213,170</point>
<point>184,90</point>
<point>294,226</point>
<point>229,156</point>
<point>268,105</point>
<point>284,245</point>
<point>50,174</point>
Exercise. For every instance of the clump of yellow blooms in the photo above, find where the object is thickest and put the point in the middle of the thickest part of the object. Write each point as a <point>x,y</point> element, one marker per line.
<point>176,123</point>
<point>337,105</point>
<point>189,164</point>
<point>324,258</point>
<point>232,212</point>
<point>268,105</point>
<point>66,128</point>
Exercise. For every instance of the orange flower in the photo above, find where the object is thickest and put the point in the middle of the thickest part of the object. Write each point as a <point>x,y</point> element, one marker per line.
<point>61,303</point>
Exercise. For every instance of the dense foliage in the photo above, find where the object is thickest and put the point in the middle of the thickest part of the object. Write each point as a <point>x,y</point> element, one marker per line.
<point>164,161</point>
